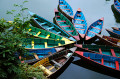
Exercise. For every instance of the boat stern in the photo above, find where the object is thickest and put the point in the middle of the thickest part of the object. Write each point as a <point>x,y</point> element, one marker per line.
<point>79,53</point>
<point>77,37</point>
<point>87,38</point>
<point>82,35</point>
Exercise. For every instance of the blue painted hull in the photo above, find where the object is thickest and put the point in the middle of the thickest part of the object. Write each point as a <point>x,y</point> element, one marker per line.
<point>80,23</point>
<point>94,29</point>
<point>117,5</point>
<point>66,9</point>
<point>114,33</point>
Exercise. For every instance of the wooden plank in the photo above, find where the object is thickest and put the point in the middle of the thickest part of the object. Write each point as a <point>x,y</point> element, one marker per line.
<point>47,36</point>
<point>113,52</point>
<point>99,23</point>
<point>56,63</point>
<point>45,70</point>
<point>61,21</point>
<point>62,5</point>
<point>38,33</point>
<point>95,27</point>
<point>102,61</point>
<point>51,68</point>
<point>100,51</point>
<point>79,19</point>
<point>66,26</point>
<point>117,65</point>
<point>70,31</point>
<point>92,32</point>
<point>36,56</point>
<point>32,43</point>
<point>79,24</point>
<point>46,45</point>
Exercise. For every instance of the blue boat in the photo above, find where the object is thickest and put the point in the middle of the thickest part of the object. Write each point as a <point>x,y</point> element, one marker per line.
<point>80,23</point>
<point>114,33</point>
<point>66,9</point>
<point>94,28</point>
<point>116,28</point>
<point>117,5</point>
<point>42,23</point>
<point>104,62</point>
<point>37,54</point>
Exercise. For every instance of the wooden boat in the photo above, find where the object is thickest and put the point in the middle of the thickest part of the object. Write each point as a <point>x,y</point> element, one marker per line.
<point>117,5</point>
<point>115,28</point>
<point>54,65</point>
<point>109,40</point>
<point>65,24</point>
<point>65,9</point>
<point>39,43</point>
<point>80,23</point>
<point>103,62</point>
<point>45,34</point>
<point>114,33</point>
<point>44,24</point>
<point>101,49</point>
<point>94,28</point>
<point>38,54</point>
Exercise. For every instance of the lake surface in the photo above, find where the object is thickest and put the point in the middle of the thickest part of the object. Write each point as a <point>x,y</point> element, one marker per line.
<point>92,9</point>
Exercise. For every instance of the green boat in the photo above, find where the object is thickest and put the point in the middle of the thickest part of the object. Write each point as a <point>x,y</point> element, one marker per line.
<point>65,24</point>
<point>107,50</point>
<point>42,23</point>
<point>39,43</point>
<point>46,34</point>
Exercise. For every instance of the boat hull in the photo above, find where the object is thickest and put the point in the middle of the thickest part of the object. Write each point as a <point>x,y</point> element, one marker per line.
<point>96,65</point>
<point>69,17</point>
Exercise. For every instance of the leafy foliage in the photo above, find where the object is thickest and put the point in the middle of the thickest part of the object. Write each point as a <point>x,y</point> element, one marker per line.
<point>11,34</point>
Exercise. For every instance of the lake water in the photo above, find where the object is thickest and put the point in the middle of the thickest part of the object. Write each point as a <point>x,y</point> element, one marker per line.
<point>92,9</point>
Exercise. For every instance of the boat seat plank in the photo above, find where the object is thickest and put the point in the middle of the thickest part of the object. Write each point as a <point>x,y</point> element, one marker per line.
<point>99,23</point>
<point>46,45</point>
<point>102,61</point>
<point>38,33</point>
<point>95,28</point>
<point>79,19</point>
<point>51,68</point>
<point>32,43</point>
<point>61,21</point>
<point>48,72</point>
<point>117,65</point>
<point>79,29</point>
<point>56,63</point>
<point>50,28</point>
<point>70,31</point>
<point>66,26</point>
<point>78,15</point>
<point>36,56</point>
<point>58,32</point>
<point>80,24</point>
<point>57,16</point>
<point>113,52</point>
<point>92,32</point>
<point>43,23</point>
<point>63,5</point>
<point>65,9</point>
<point>59,44</point>
<point>100,51</point>
<point>47,36</point>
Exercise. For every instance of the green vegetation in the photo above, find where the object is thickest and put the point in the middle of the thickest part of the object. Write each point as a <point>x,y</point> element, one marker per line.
<point>11,34</point>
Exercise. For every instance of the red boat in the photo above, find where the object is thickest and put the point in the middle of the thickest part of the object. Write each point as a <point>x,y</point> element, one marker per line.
<point>103,62</point>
